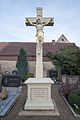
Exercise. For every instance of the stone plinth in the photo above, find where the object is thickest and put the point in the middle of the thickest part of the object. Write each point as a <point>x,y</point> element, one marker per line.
<point>39,94</point>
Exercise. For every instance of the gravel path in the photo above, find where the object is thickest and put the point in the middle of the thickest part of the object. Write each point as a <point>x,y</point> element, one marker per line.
<point>65,113</point>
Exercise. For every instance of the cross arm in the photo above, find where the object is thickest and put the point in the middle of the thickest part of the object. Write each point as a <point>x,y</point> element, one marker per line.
<point>30,21</point>
<point>46,21</point>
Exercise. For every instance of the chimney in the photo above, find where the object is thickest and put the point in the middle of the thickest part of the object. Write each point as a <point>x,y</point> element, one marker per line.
<point>53,42</point>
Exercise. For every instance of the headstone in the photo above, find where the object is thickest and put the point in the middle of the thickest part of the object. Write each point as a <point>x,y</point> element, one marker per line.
<point>14,72</point>
<point>0,82</point>
<point>11,81</point>
<point>64,79</point>
<point>71,80</point>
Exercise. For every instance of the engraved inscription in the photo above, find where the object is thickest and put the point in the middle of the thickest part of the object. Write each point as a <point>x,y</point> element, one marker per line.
<point>39,93</point>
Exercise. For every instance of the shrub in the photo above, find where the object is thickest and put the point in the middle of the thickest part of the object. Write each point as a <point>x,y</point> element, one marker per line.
<point>74,98</point>
<point>4,94</point>
<point>29,75</point>
<point>78,93</point>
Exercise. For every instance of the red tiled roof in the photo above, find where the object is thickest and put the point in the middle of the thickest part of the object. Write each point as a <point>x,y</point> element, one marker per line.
<point>13,48</point>
<point>8,49</point>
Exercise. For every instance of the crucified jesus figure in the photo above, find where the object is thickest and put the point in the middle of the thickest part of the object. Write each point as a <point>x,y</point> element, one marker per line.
<point>39,26</point>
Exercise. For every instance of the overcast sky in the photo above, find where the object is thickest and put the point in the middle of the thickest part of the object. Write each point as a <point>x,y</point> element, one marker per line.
<point>66,15</point>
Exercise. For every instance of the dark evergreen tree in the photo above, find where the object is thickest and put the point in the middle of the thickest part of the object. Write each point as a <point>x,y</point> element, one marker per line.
<point>67,61</point>
<point>22,64</point>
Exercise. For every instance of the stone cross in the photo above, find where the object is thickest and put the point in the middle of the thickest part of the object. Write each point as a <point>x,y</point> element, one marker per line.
<point>39,88</point>
<point>39,22</point>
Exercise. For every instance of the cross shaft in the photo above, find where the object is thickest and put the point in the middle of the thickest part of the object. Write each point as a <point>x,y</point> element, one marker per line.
<point>39,22</point>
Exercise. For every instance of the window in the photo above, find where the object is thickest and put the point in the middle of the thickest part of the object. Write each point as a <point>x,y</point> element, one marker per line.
<point>62,39</point>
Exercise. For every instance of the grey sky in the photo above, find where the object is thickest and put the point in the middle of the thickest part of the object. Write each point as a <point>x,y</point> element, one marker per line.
<point>66,19</point>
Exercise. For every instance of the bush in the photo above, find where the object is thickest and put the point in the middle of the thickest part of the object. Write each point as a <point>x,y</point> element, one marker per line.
<point>4,94</point>
<point>74,98</point>
<point>29,75</point>
<point>78,93</point>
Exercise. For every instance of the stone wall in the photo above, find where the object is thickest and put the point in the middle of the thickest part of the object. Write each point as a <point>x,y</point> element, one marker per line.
<point>8,66</point>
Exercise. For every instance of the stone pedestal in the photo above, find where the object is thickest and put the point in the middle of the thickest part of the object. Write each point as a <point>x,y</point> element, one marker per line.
<point>39,94</point>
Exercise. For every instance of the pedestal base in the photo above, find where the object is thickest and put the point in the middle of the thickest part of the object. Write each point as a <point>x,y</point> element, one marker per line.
<point>40,112</point>
<point>39,94</point>
<point>31,105</point>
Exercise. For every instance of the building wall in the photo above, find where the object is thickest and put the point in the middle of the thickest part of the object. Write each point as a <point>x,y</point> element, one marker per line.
<point>8,66</point>
<point>62,39</point>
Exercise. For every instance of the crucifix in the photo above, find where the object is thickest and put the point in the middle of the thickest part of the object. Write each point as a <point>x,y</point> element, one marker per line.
<point>39,88</point>
<point>39,22</point>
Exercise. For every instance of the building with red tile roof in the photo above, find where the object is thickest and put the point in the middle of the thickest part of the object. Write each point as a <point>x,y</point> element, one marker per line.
<point>9,51</point>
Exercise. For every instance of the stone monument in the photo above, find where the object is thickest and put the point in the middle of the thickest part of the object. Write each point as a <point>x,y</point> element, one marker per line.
<point>39,88</point>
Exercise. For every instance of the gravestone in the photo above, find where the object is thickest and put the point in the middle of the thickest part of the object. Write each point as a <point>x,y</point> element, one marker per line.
<point>11,81</point>
<point>0,82</point>
<point>64,79</point>
<point>14,72</point>
<point>72,80</point>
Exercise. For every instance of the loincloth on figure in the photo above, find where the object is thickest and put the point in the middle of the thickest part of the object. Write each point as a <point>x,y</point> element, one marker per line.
<point>40,36</point>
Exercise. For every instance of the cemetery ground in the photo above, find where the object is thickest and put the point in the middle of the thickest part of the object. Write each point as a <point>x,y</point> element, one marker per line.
<point>65,113</point>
